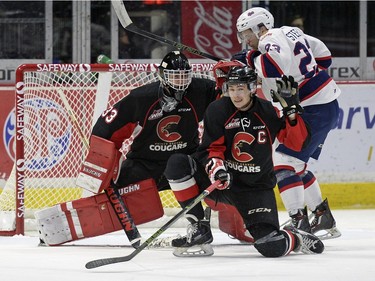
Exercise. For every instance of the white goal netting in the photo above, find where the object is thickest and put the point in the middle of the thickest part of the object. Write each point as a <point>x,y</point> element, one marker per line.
<point>49,150</point>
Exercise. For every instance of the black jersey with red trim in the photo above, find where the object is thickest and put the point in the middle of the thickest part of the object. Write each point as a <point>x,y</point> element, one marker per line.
<point>244,140</point>
<point>138,125</point>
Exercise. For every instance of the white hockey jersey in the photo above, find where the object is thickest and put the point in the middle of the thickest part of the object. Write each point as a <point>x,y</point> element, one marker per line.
<point>288,51</point>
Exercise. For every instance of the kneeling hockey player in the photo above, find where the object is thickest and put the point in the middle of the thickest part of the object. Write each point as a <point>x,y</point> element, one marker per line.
<point>239,131</point>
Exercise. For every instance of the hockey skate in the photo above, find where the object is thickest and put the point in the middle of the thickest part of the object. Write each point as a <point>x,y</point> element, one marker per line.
<point>197,240</point>
<point>300,221</point>
<point>323,224</point>
<point>307,243</point>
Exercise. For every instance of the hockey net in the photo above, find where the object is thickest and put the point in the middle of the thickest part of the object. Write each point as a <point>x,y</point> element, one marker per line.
<point>49,149</point>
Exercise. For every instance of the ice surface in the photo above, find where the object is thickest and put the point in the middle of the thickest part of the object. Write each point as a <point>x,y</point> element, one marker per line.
<point>348,258</point>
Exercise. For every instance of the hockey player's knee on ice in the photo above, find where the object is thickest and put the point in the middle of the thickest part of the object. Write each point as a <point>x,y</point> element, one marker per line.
<point>271,242</point>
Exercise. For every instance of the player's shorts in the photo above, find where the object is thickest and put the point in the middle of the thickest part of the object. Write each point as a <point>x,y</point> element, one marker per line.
<point>255,206</point>
<point>321,119</point>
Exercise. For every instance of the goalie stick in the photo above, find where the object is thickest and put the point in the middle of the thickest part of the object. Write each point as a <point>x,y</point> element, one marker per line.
<point>72,117</point>
<point>113,195</point>
<point>128,24</point>
<point>106,261</point>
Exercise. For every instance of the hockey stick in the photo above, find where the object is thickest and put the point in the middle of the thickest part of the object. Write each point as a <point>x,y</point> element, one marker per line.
<point>127,23</point>
<point>106,261</point>
<point>114,197</point>
<point>73,117</point>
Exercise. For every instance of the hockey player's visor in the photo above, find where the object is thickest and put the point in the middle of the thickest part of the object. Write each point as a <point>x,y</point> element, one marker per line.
<point>245,35</point>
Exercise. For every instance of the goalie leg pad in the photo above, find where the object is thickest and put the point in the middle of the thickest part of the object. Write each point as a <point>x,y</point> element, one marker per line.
<point>53,226</point>
<point>93,216</point>
<point>230,221</point>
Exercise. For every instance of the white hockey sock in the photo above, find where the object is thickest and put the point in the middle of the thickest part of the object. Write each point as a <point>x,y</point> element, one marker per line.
<point>313,195</point>
<point>293,199</point>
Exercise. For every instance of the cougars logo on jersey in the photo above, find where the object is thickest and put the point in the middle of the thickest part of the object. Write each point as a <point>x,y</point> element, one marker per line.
<point>166,128</point>
<point>241,146</point>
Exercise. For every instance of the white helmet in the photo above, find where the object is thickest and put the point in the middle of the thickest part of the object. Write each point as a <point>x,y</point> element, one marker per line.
<point>254,18</point>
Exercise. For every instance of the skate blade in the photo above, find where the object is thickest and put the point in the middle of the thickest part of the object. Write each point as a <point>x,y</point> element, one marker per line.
<point>326,234</point>
<point>202,250</point>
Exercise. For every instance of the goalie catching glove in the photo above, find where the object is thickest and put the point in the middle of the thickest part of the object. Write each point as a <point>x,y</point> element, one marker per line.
<point>287,96</point>
<point>216,170</point>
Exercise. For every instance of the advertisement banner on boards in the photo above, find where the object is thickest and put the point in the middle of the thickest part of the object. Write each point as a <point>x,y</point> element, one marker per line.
<point>348,154</point>
<point>7,129</point>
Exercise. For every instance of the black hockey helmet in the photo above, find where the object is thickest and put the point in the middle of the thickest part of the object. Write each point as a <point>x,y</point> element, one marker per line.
<point>175,75</point>
<point>241,75</point>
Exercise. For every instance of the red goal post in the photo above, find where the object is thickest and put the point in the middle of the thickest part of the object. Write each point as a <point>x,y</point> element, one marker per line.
<point>49,149</point>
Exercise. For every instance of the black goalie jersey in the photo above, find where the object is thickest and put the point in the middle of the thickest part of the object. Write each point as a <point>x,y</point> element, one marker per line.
<point>244,140</point>
<point>138,126</point>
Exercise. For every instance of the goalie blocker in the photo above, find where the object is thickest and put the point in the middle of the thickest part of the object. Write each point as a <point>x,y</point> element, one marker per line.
<point>100,167</point>
<point>94,216</point>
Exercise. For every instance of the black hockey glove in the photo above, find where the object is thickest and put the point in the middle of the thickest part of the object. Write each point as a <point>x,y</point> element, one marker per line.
<point>216,170</point>
<point>246,57</point>
<point>240,56</point>
<point>287,95</point>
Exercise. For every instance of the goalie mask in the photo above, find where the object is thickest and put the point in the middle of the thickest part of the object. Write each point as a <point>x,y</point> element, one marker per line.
<point>175,75</point>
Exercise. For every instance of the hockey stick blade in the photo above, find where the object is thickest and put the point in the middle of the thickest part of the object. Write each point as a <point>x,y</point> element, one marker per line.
<point>107,261</point>
<point>127,23</point>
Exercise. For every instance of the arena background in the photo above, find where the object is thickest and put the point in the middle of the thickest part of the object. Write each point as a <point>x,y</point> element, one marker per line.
<point>78,31</point>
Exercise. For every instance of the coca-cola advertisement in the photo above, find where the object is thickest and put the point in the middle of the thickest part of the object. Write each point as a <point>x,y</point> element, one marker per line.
<point>210,27</point>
